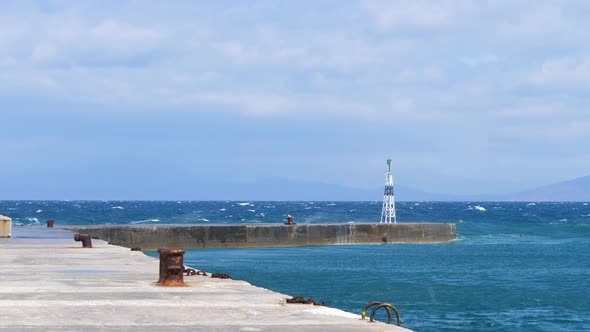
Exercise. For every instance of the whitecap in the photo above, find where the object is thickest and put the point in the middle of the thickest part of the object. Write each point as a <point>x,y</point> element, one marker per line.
<point>39,211</point>
<point>563,219</point>
<point>221,209</point>
<point>144,221</point>
<point>118,207</point>
<point>416,203</point>
<point>203,219</point>
<point>252,210</point>
<point>479,208</point>
<point>331,204</point>
<point>585,204</point>
<point>531,204</point>
<point>244,204</point>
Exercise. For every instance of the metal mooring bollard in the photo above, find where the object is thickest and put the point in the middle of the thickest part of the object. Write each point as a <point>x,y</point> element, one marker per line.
<point>289,220</point>
<point>85,238</point>
<point>5,226</point>
<point>171,267</point>
<point>50,223</point>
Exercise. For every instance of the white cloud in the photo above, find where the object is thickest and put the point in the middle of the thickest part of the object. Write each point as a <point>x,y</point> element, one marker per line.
<point>531,111</point>
<point>480,60</point>
<point>570,130</point>
<point>563,71</point>
<point>411,13</point>
<point>273,62</point>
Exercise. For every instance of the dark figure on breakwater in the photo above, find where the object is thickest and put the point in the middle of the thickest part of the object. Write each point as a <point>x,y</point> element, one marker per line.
<point>289,220</point>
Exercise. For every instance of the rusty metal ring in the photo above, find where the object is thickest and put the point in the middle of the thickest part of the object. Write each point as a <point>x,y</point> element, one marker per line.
<point>364,312</point>
<point>388,307</point>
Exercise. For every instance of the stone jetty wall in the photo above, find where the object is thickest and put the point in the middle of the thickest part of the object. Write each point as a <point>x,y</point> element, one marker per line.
<point>268,235</point>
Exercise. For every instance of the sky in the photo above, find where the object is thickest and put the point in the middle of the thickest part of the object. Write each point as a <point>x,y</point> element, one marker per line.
<point>136,99</point>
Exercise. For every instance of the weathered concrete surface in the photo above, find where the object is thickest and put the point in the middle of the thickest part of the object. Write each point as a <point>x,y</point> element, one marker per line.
<point>259,235</point>
<point>49,283</point>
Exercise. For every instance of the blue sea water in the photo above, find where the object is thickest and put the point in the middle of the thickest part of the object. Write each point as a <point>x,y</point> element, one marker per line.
<point>514,266</point>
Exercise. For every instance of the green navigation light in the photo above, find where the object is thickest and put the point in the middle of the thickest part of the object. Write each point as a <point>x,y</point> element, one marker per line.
<point>388,162</point>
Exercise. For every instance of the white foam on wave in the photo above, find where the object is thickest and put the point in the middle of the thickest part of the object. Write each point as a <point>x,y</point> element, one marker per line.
<point>585,204</point>
<point>33,219</point>
<point>563,220</point>
<point>252,210</point>
<point>39,211</point>
<point>331,204</point>
<point>145,221</point>
<point>203,219</point>
<point>477,207</point>
<point>244,204</point>
<point>221,209</point>
<point>531,204</point>
<point>118,208</point>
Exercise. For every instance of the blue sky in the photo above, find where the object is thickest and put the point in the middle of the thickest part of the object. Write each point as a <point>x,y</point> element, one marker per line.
<point>110,99</point>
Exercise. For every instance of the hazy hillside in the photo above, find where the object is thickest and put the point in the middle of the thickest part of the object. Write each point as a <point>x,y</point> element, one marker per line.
<point>572,190</point>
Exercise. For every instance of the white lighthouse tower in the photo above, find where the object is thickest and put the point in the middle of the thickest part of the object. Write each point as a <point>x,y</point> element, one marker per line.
<point>388,210</point>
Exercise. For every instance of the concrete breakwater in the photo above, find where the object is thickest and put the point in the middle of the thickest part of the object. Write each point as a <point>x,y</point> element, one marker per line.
<point>268,235</point>
<point>48,282</point>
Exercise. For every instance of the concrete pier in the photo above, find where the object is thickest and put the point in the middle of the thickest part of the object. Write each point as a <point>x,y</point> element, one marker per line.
<point>48,282</point>
<point>268,235</point>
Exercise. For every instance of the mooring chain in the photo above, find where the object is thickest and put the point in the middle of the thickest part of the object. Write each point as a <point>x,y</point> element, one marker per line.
<point>301,300</point>
<point>192,272</point>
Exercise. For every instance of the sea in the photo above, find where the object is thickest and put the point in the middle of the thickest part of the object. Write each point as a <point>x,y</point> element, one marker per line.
<point>515,266</point>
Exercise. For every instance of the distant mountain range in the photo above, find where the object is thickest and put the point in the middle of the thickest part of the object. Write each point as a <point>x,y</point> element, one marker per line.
<point>296,190</point>
<point>571,190</point>
<point>278,189</point>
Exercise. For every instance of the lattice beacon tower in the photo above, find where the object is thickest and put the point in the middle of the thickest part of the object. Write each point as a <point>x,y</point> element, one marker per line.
<point>388,210</point>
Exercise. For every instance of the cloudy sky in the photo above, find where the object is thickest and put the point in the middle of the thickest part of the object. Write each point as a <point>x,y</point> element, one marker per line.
<point>113,99</point>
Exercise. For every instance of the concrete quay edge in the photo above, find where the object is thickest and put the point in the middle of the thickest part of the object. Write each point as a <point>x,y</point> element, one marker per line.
<point>49,283</point>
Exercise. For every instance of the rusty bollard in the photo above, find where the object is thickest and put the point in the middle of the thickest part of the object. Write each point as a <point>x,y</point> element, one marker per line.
<point>50,223</point>
<point>85,238</point>
<point>289,220</point>
<point>171,267</point>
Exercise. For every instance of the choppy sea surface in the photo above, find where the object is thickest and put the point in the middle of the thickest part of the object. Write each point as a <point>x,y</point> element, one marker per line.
<point>514,267</point>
